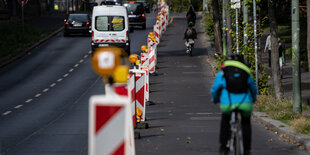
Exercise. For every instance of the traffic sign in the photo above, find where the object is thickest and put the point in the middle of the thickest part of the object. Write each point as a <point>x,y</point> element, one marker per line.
<point>236,4</point>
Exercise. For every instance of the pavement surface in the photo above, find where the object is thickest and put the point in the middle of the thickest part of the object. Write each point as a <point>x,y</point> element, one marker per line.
<point>182,121</point>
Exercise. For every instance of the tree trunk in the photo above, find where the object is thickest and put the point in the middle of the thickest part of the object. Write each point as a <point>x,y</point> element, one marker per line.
<point>275,69</point>
<point>308,33</point>
<point>217,27</point>
<point>228,21</point>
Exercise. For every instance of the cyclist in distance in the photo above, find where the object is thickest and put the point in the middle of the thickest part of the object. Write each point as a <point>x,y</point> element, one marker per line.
<point>235,89</point>
<point>191,16</point>
<point>190,35</point>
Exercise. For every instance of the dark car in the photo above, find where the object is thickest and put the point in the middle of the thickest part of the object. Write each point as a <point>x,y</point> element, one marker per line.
<point>78,23</point>
<point>146,6</point>
<point>136,13</point>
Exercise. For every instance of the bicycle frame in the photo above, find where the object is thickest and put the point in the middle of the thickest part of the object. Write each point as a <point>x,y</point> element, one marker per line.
<point>236,139</point>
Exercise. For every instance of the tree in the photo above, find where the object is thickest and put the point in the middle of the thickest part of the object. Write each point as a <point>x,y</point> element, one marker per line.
<point>274,49</point>
<point>229,37</point>
<point>308,33</point>
<point>217,27</point>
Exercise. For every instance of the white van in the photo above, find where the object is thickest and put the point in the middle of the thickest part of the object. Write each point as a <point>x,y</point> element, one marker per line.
<point>110,27</point>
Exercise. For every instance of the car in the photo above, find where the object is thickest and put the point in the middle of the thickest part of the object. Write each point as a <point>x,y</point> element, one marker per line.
<point>78,23</point>
<point>110,27</point>
<point>146,6</point>
<point>136,13</point>
<point>111,2</point>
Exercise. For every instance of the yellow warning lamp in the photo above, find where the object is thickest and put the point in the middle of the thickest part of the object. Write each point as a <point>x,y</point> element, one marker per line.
<point>106,61</point>
<point>163,13</point>
<point>151,34</point>
<point>138,114</point>
<point>133,58</point>
<point>158,18</point>
<point>143,48</point>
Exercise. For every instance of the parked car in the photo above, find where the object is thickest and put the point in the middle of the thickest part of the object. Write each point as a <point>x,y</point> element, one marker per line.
<point>136,13</point>
<point>110,27</point>
<point>146,6</point>
<point>78,23</point>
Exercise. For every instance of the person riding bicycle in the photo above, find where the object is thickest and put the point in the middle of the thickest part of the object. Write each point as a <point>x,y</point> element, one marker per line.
<point>235,89</point>
<point>190,35</point>
<point>191,15</point>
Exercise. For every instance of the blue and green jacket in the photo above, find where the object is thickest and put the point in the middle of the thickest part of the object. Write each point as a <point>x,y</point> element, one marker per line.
<point>242,101</point>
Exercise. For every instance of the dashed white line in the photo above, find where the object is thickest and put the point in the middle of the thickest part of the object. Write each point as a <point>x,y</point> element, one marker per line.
<point>59,80</point>
<point>45,90</point>
<point>38,95</point>
<point>85,56</point>
<point>53,85</point>
<point>29,100</point>
<point>76,65</point>
<point>71,70</point>
<point>66,75</point>
<point>18,106</point>
<point>81,60</point>
<point>6,113</point>
<point>89,52</point>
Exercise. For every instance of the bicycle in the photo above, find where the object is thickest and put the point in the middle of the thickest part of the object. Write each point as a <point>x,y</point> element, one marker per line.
<point>236,139</point>
<point>189,46</point>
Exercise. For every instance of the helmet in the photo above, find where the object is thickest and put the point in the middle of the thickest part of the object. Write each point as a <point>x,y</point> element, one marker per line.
<point>191,23</point>
<point>236,57</point>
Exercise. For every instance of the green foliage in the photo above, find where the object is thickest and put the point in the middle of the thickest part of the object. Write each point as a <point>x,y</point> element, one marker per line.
<point>183,5</point>
<point>208,20</point>
<point>12,42</point>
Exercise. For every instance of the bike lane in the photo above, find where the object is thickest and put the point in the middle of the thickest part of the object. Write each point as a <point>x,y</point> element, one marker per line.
<point>184,120</point>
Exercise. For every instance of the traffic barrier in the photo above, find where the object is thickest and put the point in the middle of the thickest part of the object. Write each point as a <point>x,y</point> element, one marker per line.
<point>147,82</point>
<point>152,53</point>
<point>140,79</point>
<point>145,59</point>
<point>110,130</point>
<point>156,34</point>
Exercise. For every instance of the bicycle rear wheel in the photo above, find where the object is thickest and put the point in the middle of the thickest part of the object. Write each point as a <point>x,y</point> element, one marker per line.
<point>239,150</point>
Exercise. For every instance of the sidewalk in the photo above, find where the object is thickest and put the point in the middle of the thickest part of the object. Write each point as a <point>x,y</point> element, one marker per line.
<point>287,79</point>
<point>282,129</point>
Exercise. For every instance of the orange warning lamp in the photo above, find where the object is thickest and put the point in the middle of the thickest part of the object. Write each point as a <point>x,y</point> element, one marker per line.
<point>151,34</point>
<point>105,60</point>
<point>143,48</point>
<point>158,18</point>
<point>133,58</point>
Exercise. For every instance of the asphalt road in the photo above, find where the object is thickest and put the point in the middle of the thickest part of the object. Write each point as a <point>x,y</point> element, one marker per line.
<point>44,96</point>
<point>44,100</point>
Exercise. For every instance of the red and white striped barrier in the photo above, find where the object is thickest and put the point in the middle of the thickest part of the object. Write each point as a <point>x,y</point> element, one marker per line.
<point>152,63</point>
<point>145,59</point>
<point>147,82</point>
<point>110,127</point>
<point>157,34</point>
<point>140,90</point>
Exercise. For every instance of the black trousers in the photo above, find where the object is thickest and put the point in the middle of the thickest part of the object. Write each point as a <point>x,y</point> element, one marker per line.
<point>246,130</point>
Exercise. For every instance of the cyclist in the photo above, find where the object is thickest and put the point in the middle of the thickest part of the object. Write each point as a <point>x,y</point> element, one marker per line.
<point>222,91</point>
<point>191,15</point>
<point>189,35</point>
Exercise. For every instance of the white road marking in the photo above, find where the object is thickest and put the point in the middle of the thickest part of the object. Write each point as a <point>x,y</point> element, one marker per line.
<point>59,80</point>
<point>29,100</point>
<point>66,75</point>
<point>18,106</point>
<point>6,113</point>
<point>53,85</point>
<point>45,90</point>
<point>89,52</point>
<point>71,70</point>
<point>81,60</point>
<point>85,56</point>
<point>38,95</point>
<point>76,65</point>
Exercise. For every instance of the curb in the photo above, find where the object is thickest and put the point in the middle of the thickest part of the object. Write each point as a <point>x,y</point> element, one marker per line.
<point>24,52</point>
<point>283,130</point>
